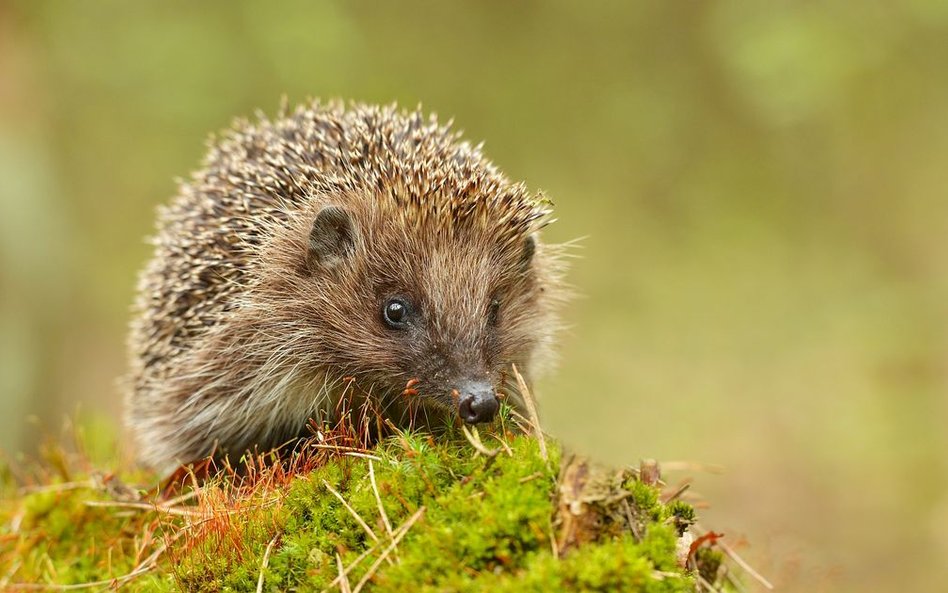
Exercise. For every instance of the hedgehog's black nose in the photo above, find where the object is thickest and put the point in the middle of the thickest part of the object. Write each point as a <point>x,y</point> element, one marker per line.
<point>477,403</point>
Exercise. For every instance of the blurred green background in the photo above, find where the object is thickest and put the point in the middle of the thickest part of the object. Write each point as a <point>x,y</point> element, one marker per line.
<point>763,189</point>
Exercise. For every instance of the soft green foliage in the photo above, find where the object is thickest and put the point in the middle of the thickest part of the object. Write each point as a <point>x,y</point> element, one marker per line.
<point>54,535</point>
<point>683,515</point>
<point>708,561</point>
<point>481,523</point>
<point>646,500</point>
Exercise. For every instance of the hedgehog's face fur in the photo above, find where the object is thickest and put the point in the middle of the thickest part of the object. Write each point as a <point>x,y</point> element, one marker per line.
<point>425,312</point>
<point>332,258</point>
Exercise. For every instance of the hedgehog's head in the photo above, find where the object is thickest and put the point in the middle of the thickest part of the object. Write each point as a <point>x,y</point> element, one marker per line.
<point>428,302</point>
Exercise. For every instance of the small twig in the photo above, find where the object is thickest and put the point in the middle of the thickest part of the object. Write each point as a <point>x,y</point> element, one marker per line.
<point>678,492</point>
<point>554,545</point>
<point>475,440</point>
<point>633,527</point>
<point>340,448</point>
<point>344,586</point>
<point>530,478</point>
<point>734,582</point>
<point>378,500</point>
<point>148,534</point>
<point>266,561</point>
<point>704,583</point>
<point>173,502</point>
<point>362,455</point>
<point>743,564</point>
<point>661,575</point>
<point>650,472</point>
<point>532,410</point>
<point>144,506</point>
<point>523,424</point>
<point>14,567</point>
<point>355,563</point>
<point>503,444</point>
<point>355,515</point>
<point>375,565</point>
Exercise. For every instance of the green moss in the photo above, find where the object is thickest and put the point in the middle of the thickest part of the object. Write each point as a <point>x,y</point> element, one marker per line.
<point>682,514</point>
<point>708,561</point>
<point>486,524</point>
<point>55,536</point>
<point>645,498</point>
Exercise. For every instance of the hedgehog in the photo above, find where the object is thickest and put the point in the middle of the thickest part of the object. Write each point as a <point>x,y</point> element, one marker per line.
<point>332,254</point>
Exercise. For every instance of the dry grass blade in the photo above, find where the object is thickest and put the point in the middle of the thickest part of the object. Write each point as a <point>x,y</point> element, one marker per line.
<point>144,506</point>
<point>554,546</point>
<point>523,424</point>
<point>677,493</point>
<point>475,440</point>
<point>401,533</point>
<point>661,575</point>
<point>532,410</point>
<point>345,573</point>
<point>362,455</point>
<point>344,585</point>
<point>703,584</point>
<point>743,564</point>
<point>734,582</point>
<point>378,500</point>
<point>266,562</point>
<point>397,537</point>
<point>340,448</point>
<point>690,466</point>
<point>355,515</point>
<point>503,444</point>
<point>182,498</point>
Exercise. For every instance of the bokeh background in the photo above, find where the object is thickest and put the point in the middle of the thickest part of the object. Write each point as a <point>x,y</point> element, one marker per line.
<point>762,188</point>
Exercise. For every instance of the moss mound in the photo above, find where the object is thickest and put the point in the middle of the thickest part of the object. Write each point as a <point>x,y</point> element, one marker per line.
<point>502,513</point>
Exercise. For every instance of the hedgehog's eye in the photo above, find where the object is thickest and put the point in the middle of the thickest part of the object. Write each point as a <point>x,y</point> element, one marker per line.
<point>395,313</point>
<point>493,310</point>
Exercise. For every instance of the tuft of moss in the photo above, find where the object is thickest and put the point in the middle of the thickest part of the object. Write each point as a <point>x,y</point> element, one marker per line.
<point>708,561</point>
<point>682,514</point>
<point>463,521</point>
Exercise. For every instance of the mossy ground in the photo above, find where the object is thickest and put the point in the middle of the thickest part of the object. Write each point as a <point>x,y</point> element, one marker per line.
<point>419,514</point>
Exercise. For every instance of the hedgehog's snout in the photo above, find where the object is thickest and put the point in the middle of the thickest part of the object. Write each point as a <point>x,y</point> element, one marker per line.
<point>477,402</point>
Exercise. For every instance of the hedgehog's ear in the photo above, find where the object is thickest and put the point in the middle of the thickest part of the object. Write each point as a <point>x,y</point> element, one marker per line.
<point>332,238</point>
<point>527,252</point>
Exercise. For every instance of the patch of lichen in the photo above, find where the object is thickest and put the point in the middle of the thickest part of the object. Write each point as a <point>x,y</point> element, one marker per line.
<point>480,523</point>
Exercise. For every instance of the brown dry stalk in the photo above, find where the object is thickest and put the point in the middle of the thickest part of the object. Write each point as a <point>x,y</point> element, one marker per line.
<point>266,561</point>
<point>345,573</point>
<point>743,564</point>
<point>378,500</point>
<point>352,511</point>
<point>677,493</point>
<point>475,439</point>
<point>532,410</point>
<point>375,565</point>
<point>344,586</point>
<point>144,506</point>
